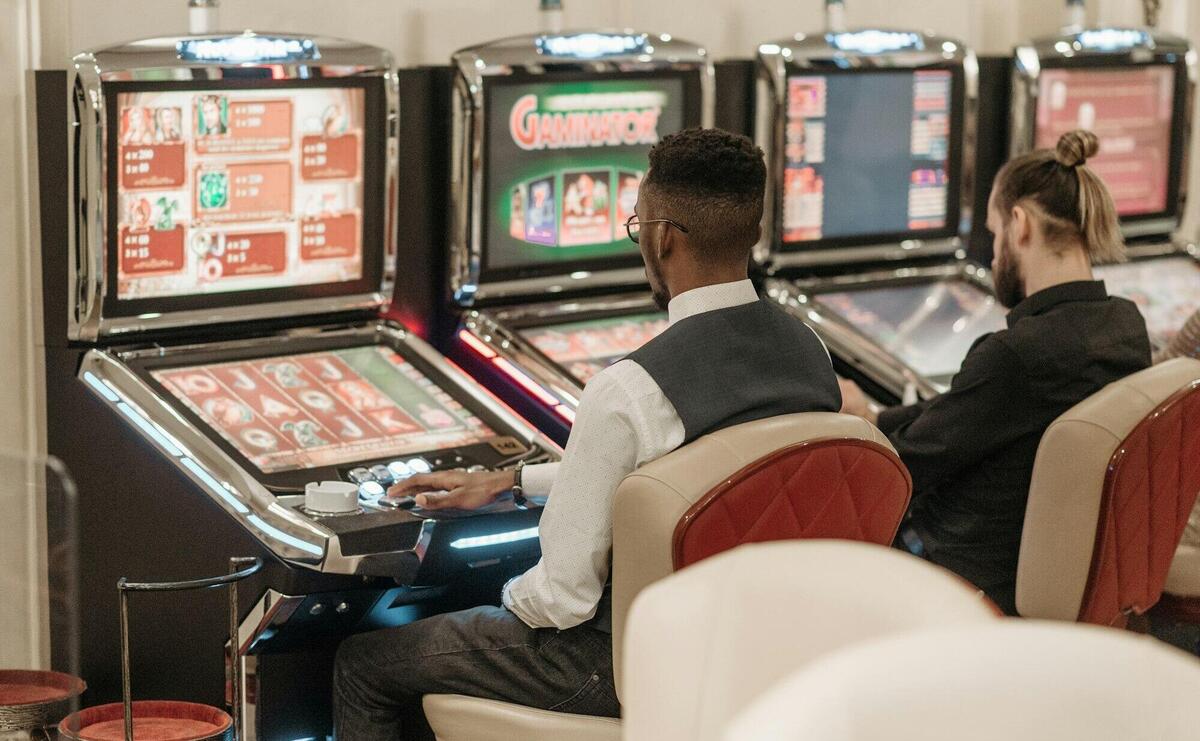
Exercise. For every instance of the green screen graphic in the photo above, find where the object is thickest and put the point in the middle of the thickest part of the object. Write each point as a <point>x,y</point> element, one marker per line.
<point>564,162</point>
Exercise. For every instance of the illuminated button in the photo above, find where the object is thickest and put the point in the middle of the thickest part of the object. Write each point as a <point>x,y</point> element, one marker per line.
<point>419,465</point>
<point>399,470</point>
<point>360,475</point>
<point>381,474</point>
<point>370,490</point>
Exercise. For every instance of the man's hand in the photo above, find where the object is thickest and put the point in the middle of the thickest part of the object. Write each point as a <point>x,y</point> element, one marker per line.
<point>854,401</point>
<point>454,489</point>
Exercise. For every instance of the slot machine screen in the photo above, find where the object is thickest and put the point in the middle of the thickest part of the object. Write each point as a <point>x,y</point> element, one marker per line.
<point>585,348</point>
<point>928,326</point>
<point>1166,290</point>
<point>563,160</point>
<point>869,157</point>
<point>243,192</point>
<point>324,408</point>
<point>1132,111</point>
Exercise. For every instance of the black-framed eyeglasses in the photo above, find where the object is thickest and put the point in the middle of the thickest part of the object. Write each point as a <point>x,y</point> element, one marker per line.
<point>633,226</point>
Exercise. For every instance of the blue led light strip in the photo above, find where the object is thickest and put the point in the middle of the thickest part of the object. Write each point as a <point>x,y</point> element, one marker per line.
<point>283,537</point>
<point>480,541</point>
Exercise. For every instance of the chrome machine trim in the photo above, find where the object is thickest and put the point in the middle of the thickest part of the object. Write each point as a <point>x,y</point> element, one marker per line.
<point>856,349</point>
<point>495,329</point>
<point>281,529</point>
<point>184,58</point>
<point>1136,45</point>
<point>868,48</point>
<point>584,51</point>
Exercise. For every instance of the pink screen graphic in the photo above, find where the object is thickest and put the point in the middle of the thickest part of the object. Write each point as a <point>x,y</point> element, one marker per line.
<point>238,190</point>
<point>1131,111</point>
<point>324,408</point>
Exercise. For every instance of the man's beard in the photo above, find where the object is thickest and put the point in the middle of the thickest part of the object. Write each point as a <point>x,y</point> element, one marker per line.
<point>1010,287</point>
<point>658,287</point>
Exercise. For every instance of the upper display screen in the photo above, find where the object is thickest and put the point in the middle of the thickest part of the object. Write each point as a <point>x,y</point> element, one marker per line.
<point>1166,290</point>
<point>322,409</point>
<point>1130,110</point>
<point>867,154</point>
<point>238,189</point>
<point>564,161</point>
<point>928,326</point>
<point>588,347</point>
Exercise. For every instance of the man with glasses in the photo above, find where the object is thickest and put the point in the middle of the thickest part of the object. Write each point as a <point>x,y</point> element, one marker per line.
<point>726,358</point>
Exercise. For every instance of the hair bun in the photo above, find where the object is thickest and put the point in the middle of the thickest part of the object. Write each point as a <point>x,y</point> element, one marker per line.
<point>1075,147</point>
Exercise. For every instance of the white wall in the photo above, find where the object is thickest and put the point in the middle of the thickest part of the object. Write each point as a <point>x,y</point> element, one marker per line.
<point>42,33</point>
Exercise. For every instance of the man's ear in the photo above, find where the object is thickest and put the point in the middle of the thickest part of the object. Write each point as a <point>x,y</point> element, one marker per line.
<point>667,241</point>
<point>1021,227</point>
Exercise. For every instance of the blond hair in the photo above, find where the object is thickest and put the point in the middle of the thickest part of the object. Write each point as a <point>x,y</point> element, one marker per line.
<point>1066,195</point>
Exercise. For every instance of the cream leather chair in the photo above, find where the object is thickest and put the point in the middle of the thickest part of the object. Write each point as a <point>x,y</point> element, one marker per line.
<point>802,475</point>
<point>1113,484</point>
<point>1012,679</point>
<point>705,642</point>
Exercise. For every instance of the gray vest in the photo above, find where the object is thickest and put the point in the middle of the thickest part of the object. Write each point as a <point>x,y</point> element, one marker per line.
<point>748,362</point>
<point>729,366</point>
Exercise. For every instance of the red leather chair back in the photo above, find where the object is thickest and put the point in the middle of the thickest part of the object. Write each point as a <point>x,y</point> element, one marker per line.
<point>849,489</point>
<point>1151,486</point>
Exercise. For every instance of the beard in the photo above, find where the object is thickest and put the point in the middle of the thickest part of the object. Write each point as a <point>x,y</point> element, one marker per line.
<point>658,287</point>
<point>1010,287</point>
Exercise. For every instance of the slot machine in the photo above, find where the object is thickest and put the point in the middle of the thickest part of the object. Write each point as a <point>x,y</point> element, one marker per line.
<point>1134,89</point>
<point>551,133</point>
<point>868,136</point>
<point>217,233</point>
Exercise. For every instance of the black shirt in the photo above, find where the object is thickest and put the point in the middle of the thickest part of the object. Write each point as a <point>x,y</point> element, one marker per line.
<point>971,449</point>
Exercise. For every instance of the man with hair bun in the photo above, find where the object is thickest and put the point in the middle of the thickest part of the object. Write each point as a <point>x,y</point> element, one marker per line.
<point>727,357</point>
<point>971,449</point>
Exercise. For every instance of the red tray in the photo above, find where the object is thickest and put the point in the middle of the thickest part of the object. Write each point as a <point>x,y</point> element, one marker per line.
<point>35,699</point>
<point>153,720</point>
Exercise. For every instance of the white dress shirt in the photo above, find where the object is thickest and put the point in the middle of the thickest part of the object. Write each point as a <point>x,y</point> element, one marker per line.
<point>623,423</point>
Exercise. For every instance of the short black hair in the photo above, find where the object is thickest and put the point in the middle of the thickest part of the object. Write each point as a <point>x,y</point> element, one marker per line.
<point>711,181</point>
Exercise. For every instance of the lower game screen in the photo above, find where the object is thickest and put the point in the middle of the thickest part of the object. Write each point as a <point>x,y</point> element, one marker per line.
<point>1167,291</point>
<point>586,348</point>
<point>323,408</point>
<point>928,326</point>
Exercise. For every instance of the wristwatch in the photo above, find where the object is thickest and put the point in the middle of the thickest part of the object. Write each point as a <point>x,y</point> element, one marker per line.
<point>518,491</point>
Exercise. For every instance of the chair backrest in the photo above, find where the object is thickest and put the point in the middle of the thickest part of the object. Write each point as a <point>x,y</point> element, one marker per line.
<point>814,475</point>
<point>1113,483</point>
<point>1010,679</point>
<point>706,641</point>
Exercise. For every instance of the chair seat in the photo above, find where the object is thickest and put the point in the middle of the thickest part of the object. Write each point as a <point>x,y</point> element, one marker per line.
<point>1183,580</point>
<point>153,720</point>
<point>462,718</point>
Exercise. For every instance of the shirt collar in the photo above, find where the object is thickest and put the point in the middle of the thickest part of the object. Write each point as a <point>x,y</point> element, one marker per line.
<point>1048,298</point>
<point>711,298</point>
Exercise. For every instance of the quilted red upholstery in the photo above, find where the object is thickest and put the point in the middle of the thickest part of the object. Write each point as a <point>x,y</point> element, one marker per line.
<point>1151,486</point>
<point>839,488</point>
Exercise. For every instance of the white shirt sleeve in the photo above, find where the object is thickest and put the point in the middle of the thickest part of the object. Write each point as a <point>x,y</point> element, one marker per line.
<point>623,422</point>
<point>537,479</point>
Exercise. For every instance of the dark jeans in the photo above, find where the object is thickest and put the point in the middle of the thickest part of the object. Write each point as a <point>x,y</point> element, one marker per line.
<point>379,677</point>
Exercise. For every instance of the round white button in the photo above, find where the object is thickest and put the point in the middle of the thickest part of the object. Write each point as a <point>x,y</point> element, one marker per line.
<point>399,470</point>
<point>419,465</point>
<point>371,490</point>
